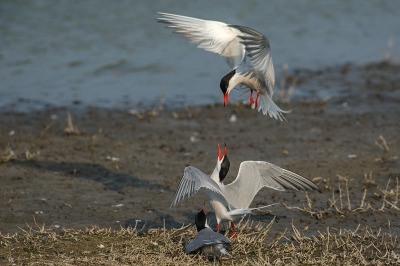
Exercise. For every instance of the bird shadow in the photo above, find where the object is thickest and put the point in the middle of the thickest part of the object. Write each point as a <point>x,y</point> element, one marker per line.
<point>164,221</point>
<point>94,172</point>
<point>168,222</point>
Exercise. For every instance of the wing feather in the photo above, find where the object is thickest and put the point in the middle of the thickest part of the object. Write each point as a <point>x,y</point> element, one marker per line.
<point>206,237</point>
<point>259,51</point>
<point>212,36</point>
<point>193,179</point>
<point>254,175</point>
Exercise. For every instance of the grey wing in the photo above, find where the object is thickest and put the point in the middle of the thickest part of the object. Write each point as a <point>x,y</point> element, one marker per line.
<point>193,179</point>
<point>204,238</point>
<point>258,49</point>
<point>212,36</point>
<point>254,175</point>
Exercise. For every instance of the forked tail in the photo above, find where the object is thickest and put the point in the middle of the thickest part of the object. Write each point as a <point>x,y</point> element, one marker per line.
<point>267,105</point>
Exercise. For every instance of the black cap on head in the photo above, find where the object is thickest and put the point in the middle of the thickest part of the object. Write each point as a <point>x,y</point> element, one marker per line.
<point>225,81</point>
<point>224,168</point>
<point>200,220</point>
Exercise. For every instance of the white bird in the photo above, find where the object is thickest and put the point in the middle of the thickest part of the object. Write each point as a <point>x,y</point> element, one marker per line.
<point>206,240</point>
<point>234,43</point>
<point>233,200</point>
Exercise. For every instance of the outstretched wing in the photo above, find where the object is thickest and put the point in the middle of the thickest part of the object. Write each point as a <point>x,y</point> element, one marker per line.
<point>212,36</point>
<point>259,51</point>
<point>193,179</point>
<point>254,175</point>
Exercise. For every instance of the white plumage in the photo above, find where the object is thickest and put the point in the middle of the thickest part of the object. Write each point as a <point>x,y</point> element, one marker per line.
<point>233,200</point>
<point>234,43</point>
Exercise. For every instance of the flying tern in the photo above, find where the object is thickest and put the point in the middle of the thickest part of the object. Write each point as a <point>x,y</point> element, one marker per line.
<point>206,240</point>
<point>246,51</point>
<point>233,200</point>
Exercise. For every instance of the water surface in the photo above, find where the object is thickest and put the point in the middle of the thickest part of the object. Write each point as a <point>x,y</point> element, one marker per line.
<point>114,54</point>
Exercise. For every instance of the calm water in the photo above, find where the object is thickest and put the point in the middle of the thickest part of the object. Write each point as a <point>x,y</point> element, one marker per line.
<point>114,54</point>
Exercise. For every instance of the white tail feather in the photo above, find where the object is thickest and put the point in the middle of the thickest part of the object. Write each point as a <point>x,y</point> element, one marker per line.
<point>237,212</point>
<point>267,105</point>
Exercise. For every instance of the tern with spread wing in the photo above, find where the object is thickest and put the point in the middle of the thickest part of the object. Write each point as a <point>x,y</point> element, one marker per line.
<point>233,200</point>
<point>246,51</point>
<point>206,240</point>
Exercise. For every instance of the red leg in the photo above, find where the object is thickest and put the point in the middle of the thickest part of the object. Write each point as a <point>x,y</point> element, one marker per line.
<point>233,231</point>
<point>218,227</point>
<point>258,95</point>
<point>251,97</point>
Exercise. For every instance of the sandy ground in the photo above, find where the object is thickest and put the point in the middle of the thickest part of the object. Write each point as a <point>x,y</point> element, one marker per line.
<point>121,169</point>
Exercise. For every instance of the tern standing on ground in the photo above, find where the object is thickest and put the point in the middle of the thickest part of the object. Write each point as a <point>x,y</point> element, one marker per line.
<point>233,200</point>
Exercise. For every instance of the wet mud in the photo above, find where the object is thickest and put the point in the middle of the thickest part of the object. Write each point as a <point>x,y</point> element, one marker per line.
<point>118,169</point>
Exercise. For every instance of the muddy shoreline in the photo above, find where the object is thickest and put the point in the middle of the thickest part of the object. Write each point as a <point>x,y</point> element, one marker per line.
<point>122,169</point>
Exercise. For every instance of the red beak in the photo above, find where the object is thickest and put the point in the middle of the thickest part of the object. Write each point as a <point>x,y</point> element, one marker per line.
<point>203,208</point>
<point>220,155</point>
<point>226,98</point>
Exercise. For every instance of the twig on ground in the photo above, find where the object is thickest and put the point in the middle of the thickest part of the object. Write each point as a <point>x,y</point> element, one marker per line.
<point>71,129</point>
<point>382,146</point>
<point>7,155</point>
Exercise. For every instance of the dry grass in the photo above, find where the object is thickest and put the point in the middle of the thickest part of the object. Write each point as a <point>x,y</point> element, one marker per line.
<point>382,146</point>
<point>71,129</point>
<point>255,245</point>
<point>132,246</point>
<point>341,204</point>
<point>7,155</point>
<point>149,113</point>
<point>30,156</point>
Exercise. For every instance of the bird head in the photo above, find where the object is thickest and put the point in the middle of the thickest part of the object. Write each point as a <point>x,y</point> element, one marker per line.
<point>224,85</point>
<point>203,208</point>
<point>201,219</point>
<point>223,163</point>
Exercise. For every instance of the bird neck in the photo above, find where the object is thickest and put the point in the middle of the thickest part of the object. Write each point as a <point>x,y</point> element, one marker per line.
<point>215,174</point>
<point>235,80</point>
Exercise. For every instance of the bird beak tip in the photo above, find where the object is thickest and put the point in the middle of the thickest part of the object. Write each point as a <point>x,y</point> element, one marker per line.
<point>220,155</point>
<point>226,95</point>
